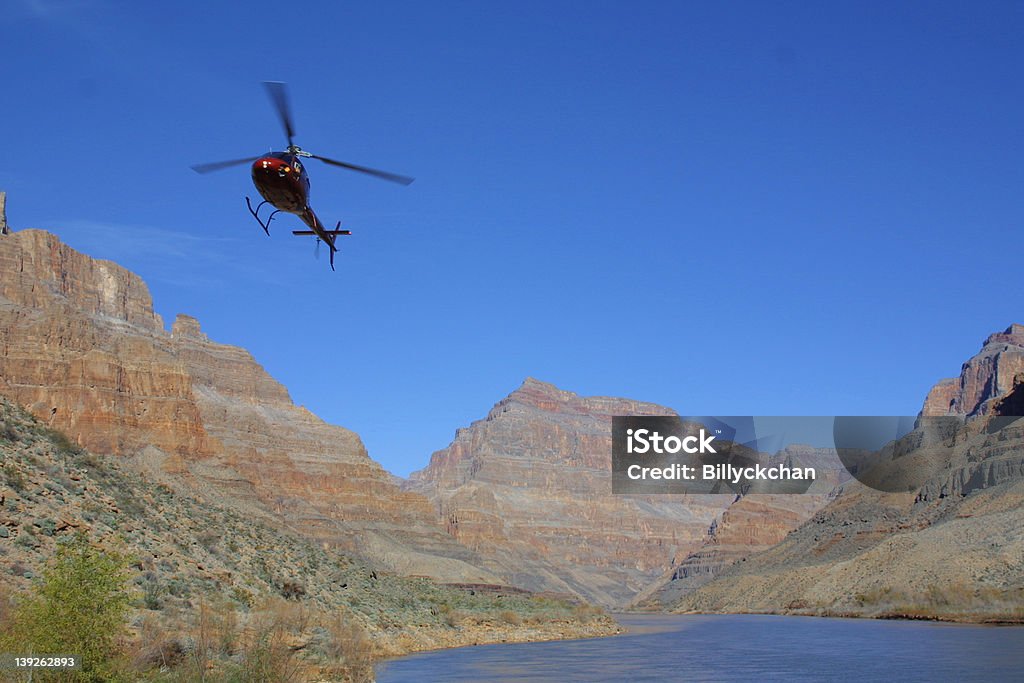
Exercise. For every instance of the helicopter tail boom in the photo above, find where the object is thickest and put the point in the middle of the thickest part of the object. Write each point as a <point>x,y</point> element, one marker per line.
<point>328,232</point>
<point>318,229</point>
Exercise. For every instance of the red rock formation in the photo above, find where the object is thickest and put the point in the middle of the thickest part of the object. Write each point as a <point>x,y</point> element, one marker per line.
<point>78,347</point>
<point>81,347</point>
<point>533,479</point>
<point>751,524</point>
<point>984,377</point>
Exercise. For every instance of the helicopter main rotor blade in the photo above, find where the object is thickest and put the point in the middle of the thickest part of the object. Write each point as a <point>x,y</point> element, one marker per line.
<point>384,175</point>
<point>218,165</point>
<point>279,96</point>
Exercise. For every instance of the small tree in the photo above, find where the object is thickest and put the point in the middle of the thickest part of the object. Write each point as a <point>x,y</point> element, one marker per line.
<point>79,607</point>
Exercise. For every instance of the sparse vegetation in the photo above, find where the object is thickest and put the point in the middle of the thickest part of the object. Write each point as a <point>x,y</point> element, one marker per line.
<point>215,595</point>
<point>943,602</point>
<point>14,477</point>
<point>79,607</point>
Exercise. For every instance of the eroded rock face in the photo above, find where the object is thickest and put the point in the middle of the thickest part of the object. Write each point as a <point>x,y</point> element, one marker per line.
<point>81,347</point>
<point>951,549</point>
<point>986,376</point>
<point>751,524</point>
<point>762,524</point>
<point>533,479</point>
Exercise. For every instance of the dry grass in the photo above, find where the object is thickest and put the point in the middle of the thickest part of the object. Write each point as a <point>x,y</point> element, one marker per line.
<point>510,617</point>
<point>955,601</point>
<point>278,641</point>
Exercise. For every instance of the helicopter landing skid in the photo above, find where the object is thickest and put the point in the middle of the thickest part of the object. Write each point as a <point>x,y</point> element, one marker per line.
<point>256,214</point>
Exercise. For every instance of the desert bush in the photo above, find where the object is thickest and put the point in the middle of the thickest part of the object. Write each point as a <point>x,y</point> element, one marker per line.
<point>243,596</point>
<point>455,617</point>
<point>26,538</point>
<point>347,641</point>
<point>153,591</point>
<point>510,617</point>
<point>61,443</point>
<point>294,617</point>
<point>6,606</point>
<point>9,433</point>
<point>14,477</point>
<point>213,638</point>
<point>80,606</point>
<point>89,461</point>
<point>585,612</point>
<point>158,647</point>
<point>292,590</point>
<point>209,540</point>
<point>269,659</point>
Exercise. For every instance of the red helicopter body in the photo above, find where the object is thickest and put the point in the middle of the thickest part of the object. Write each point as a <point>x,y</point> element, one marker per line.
<point>282,181</point>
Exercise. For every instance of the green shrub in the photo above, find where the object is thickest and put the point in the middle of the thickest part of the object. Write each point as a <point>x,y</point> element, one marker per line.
<point>9,433</point>
<point>14,477</point>
<point>153,591</point>
<point>80,607</point>
<point>61,443</point>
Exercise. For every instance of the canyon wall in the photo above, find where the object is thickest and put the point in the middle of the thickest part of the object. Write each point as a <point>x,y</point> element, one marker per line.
<point>521,498</point>
<point>82,349</point>
<point>533,478</point>
<point>952,548</point>
<point>987,375</point>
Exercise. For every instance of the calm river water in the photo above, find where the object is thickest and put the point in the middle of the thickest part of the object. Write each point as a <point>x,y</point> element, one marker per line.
<point>738,647</point>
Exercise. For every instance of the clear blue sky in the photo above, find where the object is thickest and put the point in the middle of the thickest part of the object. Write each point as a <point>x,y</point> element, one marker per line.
<point>727,208</point>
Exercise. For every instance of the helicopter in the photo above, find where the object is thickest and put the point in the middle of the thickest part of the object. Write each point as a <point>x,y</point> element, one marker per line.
<point>282,181</point>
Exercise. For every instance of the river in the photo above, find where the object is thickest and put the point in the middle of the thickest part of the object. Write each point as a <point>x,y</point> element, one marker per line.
<point>735,648</point>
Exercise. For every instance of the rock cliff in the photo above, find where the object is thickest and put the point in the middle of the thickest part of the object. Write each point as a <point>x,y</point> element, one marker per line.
<point>82,349</point>
<point>532,481</point>
<point>951,549</point>
<point>986,376</point>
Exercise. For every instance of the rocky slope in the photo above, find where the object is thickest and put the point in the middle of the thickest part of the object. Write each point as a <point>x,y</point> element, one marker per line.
<point>81,347</point>
<point>951,549</point>
<point>188,551</point>
<point>751,523</point>
<point>531,483</point>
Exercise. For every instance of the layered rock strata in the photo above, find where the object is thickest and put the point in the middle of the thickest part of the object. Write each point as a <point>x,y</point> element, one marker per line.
<point>951,549</point>
<point>751,524</point>
<point>82,348</point>
<point>986,376</point>
<point>533,479</point>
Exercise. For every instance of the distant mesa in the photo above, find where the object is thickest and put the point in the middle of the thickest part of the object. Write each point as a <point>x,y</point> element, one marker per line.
<point>532,480</point>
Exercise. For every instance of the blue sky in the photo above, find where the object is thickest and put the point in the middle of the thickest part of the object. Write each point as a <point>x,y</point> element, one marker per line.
<point>727,208</point>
